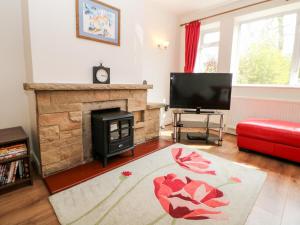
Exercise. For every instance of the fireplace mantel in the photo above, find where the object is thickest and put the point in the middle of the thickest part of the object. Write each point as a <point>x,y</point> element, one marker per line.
<point>83,87</point>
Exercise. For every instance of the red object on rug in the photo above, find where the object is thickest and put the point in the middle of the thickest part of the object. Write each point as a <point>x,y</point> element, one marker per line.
<point>272,137</point>
<point>69,178</point>
<point>192,34</point>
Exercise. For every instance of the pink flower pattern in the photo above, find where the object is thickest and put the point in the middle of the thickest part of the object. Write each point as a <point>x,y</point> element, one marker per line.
<point>189,199</point>
<point>192,162</point>
<point>234,180</point>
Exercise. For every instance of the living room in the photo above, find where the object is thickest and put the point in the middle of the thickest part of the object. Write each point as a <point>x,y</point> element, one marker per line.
<point>191,107</point>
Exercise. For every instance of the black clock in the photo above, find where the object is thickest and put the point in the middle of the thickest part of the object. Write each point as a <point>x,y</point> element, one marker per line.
<point>101,75</point>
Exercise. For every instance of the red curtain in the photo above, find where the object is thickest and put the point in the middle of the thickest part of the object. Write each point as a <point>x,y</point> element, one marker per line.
<point>192,33</point>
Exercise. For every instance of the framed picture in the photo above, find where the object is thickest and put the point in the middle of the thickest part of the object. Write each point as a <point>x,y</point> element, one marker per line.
<point>97,21</point>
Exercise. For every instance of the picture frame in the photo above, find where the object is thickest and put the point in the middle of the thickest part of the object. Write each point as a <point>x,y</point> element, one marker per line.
<point>98,21</point>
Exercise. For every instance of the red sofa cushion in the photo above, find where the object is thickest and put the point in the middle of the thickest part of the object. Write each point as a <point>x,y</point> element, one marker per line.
<point>281,132</point>
<point>270,148</point>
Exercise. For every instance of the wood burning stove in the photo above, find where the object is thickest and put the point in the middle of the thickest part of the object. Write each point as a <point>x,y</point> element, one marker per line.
<point>112,133</point>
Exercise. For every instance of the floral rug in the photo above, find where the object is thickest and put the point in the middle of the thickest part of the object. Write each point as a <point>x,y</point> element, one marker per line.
<point>176,185</point>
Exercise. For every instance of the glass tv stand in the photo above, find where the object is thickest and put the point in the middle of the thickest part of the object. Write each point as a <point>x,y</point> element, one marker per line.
<point>206,136</point>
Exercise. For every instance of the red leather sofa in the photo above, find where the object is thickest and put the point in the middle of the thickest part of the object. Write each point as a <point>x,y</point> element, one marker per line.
<point>272,137</point>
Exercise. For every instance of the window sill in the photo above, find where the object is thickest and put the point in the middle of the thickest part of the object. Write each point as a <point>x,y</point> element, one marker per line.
<point>266,86</point>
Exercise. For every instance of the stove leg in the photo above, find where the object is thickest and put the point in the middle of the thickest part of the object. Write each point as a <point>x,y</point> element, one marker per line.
<point>104,162</point>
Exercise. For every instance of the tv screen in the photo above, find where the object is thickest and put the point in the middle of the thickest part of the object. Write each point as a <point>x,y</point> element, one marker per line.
<point>200,90</point>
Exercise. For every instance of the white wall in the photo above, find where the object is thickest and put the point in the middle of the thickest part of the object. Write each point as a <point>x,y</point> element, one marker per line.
<point>59,56</point>
<point>158,63</point>
<point>227,41</point>
<point>13,100</point>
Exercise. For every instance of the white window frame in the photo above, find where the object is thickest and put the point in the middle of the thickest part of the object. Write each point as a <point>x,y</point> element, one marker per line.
<point>294,80</point>
<point>202,45</point>
<point>295,66</point>
<point>213,44</point>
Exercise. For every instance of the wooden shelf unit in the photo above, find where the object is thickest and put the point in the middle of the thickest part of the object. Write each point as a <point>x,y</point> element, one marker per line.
<point>10,137</point>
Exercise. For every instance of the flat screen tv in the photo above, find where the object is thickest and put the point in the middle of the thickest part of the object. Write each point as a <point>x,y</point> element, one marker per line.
<point>200,91</point>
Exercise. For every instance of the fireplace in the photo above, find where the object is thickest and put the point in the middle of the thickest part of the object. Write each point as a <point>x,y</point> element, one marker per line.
<point>112,133</point>
<point>63,111</point>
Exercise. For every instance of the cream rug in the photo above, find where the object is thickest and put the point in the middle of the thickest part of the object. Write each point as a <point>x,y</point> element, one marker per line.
<point>176,185</point>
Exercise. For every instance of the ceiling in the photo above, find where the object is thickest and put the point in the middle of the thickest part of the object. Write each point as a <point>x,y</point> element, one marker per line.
<point>181,7</point>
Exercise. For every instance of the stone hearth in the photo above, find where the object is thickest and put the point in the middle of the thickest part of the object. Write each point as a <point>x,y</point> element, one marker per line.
<point>64,113</point>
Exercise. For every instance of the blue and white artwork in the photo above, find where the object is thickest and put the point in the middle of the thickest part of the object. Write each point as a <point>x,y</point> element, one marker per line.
<point>98,21</point>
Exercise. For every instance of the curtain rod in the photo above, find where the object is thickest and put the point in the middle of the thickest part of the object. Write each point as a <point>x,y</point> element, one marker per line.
<point>228,11</point>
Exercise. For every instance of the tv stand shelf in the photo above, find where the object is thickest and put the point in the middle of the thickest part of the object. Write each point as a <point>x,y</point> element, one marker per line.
<point>178,123</point>
<point>198,124</point>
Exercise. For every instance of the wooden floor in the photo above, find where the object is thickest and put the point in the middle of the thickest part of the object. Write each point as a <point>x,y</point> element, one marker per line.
<point>277,204</point>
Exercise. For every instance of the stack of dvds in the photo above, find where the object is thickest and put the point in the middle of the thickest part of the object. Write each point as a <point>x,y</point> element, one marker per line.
<point>12,151</point>
<point>9,172</point>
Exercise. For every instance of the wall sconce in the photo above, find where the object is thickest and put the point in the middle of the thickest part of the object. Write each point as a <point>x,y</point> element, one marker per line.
<point>162,44</point>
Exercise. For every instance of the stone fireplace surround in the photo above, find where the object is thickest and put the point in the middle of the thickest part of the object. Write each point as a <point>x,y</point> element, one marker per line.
<point>64,119</point>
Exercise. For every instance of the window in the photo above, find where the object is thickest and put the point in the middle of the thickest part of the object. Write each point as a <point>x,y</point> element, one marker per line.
<point>266,51</point>
<point>207,57</point>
